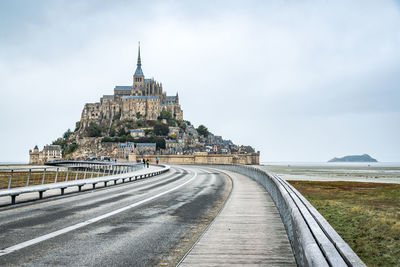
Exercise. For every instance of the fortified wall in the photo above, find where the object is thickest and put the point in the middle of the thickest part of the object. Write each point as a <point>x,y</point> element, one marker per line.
<point>202,158</point>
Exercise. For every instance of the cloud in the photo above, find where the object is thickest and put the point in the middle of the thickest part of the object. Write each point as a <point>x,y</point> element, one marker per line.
<point>283,76</point>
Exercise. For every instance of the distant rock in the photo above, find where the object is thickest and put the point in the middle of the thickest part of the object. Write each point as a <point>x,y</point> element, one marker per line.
<point>354,158</point>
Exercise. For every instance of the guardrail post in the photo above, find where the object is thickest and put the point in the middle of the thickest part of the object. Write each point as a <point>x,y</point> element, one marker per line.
<point>98,172</point>
<point>44,175</point>
<point>66,176</point>
<point>104,171</point>
<point>91,170</point>
<point>55,180</point>
<point>84,176</point>
<point>13,199</point>
<point>9,181</point>
<point>29,177</point>
<point>76,175</point>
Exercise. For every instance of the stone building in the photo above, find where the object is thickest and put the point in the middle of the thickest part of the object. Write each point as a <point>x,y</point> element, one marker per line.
<point>124,149</point>
<point>136,133</point>
<point>146,148</point>
<point>49,153</point>
<point>144,99</point>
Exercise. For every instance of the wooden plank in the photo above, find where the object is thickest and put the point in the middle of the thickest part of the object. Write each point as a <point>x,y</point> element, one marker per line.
<point>248,231</point>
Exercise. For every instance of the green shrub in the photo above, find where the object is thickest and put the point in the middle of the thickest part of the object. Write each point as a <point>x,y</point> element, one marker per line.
<point>94,130</point>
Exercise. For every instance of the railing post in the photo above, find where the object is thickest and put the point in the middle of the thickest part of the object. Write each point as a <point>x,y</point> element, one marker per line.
<point>98,172</point>
<point>29,177</point>
<point>66,176</point>
<point>55,180</point>
<point>76,175</point>
<point>44,175</point>
<point>104,171</point>
<point>9,181</point>
<point>84,176</point>
<point>91,170</point>
<point>109,170</point>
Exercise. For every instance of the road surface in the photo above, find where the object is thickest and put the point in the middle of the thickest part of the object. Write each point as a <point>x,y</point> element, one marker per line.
<point>143,223</point>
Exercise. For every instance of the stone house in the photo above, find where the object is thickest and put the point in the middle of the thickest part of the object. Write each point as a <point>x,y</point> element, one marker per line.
<point>146,148</point>
<point>137,133</point>
<point>49,153</point>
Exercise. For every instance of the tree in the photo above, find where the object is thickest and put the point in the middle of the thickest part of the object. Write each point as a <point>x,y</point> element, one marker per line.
<point>202,130</point>
<point>139,123</point>
<point>165,115</point>
<point>182,126</point>
<point>112,131</point>
<point>93,130</point>
<point>138,115</point>
<point>122,132</point>
<point>161,129</point>
<point>71,148</point>
<point>77,125</point>
<point>67,134</point>
<point>61,142</point>
<point>107,139</point>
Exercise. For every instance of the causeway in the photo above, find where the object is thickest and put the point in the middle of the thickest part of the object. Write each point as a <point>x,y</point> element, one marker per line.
<point>248,231</point>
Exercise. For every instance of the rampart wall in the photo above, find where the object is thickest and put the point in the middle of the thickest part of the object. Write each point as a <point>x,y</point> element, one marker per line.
<point>200,158</point>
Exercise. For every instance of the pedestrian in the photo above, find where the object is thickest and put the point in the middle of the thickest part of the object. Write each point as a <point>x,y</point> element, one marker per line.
<point>157,160</point>
<point>144,163</point>
<point>148,162</point>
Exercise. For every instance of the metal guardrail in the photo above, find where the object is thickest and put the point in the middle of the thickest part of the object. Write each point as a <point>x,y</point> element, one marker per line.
<point>313,240</point>
<point>114,173</point>
<point>61,171</point>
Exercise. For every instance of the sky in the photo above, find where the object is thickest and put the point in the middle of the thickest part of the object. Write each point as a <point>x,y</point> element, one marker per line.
<point>300,81</point>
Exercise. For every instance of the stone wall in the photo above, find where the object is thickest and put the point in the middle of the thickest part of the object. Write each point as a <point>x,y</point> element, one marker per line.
<point>204,158</point>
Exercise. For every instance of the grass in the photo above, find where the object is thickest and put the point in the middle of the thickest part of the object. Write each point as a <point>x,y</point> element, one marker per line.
<point>366,215</point>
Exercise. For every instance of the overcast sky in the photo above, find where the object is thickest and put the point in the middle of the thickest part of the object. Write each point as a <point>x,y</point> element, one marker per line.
<point>297,80</point>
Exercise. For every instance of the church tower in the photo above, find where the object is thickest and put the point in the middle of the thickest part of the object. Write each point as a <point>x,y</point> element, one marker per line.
<point>138,77</point>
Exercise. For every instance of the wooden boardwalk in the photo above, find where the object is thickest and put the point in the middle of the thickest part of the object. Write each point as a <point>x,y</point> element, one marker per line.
<point>248,231</point>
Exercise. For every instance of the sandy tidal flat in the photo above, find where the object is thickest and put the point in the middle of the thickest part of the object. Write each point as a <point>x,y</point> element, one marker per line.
<point>329,172</point>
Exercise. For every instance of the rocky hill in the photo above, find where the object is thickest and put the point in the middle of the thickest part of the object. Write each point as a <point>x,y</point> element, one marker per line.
<point>169,136</point>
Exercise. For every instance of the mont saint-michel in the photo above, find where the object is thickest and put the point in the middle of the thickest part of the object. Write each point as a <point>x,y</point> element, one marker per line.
<point>141,121</point>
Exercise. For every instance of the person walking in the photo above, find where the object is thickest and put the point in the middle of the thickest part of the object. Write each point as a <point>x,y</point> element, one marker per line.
<point>148,162</point>
<point>144,163</point>
<point>157,160</point>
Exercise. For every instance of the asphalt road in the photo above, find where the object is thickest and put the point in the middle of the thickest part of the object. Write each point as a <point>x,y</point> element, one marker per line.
<point>144,223</point>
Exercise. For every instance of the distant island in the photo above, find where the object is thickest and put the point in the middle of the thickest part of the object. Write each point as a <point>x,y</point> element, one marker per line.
<point>354,158</point>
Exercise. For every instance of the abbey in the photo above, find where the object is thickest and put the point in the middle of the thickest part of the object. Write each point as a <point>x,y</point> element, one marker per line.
<point>144,99</point>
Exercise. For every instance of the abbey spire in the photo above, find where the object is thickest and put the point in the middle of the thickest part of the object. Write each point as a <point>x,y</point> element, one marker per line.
<point>138,72</point>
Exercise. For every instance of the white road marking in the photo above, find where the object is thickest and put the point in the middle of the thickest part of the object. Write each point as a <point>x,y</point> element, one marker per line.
<point>84,223</point>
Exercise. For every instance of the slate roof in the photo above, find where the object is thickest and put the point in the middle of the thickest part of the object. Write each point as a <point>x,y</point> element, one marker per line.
<point>171,98</point>
<point>138,71</point>
<point>122,87</point>
<point>145,144</point>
